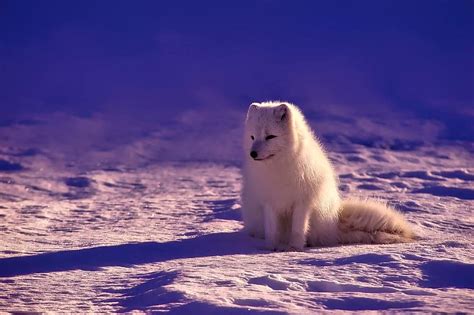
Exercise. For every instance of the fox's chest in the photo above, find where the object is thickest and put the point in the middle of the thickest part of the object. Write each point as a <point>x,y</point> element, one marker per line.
<point>281,190</point>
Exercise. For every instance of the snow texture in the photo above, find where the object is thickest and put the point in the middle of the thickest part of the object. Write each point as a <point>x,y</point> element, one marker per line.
<point>97,219</point>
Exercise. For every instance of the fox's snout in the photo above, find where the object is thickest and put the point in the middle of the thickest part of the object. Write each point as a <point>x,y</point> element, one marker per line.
<point>253,154</point>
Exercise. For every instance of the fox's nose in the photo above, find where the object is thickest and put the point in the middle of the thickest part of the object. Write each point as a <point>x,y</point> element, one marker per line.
<point>253,154</point>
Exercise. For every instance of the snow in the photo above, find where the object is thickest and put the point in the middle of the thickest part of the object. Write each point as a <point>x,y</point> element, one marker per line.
<point>100,218</point>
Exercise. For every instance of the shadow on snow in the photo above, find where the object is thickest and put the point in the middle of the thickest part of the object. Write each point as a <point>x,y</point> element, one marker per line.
<point>128,254</point>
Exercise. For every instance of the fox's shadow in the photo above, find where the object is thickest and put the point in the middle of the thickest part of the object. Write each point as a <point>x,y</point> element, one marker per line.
<point>216,244</point>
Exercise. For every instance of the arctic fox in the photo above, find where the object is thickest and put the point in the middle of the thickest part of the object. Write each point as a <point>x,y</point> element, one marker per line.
<point>290,195</point>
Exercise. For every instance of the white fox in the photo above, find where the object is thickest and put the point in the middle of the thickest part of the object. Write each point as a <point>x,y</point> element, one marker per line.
<point>290,195</point>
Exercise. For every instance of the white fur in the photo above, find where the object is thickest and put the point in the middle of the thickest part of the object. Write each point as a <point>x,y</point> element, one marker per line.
<point>290,196</point>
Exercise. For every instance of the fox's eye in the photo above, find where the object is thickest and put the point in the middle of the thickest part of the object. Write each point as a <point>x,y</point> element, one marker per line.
<point>270,137</point>
<point>252,137</point>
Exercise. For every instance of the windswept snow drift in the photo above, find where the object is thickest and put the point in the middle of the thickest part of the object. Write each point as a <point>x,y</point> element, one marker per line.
<point>94,218</point>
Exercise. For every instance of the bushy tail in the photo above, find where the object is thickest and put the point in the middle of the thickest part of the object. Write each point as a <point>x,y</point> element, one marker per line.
<point>369,221</point>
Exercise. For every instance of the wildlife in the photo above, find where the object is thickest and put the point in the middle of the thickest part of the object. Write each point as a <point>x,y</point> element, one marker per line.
<point>290,194</point>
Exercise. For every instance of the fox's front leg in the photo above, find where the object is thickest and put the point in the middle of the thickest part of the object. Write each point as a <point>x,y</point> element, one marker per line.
<point>271,228</point>
<point>299,227</point>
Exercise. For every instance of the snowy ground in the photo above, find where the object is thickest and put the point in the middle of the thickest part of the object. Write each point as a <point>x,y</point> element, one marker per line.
<point>140,231</point>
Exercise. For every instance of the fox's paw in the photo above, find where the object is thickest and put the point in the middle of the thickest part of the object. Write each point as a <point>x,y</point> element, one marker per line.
<point>293,248</point>
<point>297,242</point>
<point>283,248</point>
<point>271,247</point>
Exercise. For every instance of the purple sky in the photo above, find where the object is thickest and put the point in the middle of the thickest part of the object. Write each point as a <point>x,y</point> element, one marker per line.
<point>166,56</point>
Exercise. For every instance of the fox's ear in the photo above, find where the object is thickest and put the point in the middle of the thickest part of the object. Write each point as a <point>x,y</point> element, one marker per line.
<point>252,107</point>
<point>282,112</point>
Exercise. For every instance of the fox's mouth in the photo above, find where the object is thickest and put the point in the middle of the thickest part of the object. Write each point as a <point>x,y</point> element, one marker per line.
<point>266,158</point>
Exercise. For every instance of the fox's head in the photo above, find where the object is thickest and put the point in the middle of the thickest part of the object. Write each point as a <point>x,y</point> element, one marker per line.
<point>267,131</point>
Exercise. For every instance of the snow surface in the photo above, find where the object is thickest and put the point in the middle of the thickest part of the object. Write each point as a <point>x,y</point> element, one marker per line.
<point>102,219</point>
